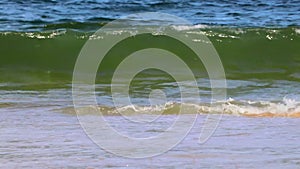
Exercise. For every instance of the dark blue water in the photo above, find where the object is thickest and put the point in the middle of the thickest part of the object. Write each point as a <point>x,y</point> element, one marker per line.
<point>18,15</point>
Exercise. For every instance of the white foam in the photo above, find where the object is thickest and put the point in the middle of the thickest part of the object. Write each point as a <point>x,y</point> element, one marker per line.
<point>234,107</point>
<point>189,27</point>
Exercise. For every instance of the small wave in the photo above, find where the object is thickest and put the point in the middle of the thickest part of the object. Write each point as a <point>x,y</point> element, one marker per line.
<point>285,108</point>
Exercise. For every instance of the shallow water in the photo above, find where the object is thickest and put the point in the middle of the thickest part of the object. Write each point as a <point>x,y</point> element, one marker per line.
<point>39,129</point>
<point>35,138</point>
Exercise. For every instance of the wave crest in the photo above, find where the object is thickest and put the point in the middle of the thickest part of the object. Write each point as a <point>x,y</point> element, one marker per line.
<point>285,108</point>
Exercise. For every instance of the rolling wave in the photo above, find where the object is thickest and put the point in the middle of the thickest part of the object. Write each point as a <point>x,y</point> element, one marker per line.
<point>245,52</point>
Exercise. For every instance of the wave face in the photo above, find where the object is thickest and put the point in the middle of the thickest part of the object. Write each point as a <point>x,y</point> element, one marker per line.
<point>263,53</point>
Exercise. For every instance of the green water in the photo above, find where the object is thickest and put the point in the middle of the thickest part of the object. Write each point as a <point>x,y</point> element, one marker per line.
<point>245,53</point>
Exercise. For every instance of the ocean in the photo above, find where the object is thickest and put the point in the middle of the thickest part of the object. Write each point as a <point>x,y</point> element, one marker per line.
<point>256,124</point>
